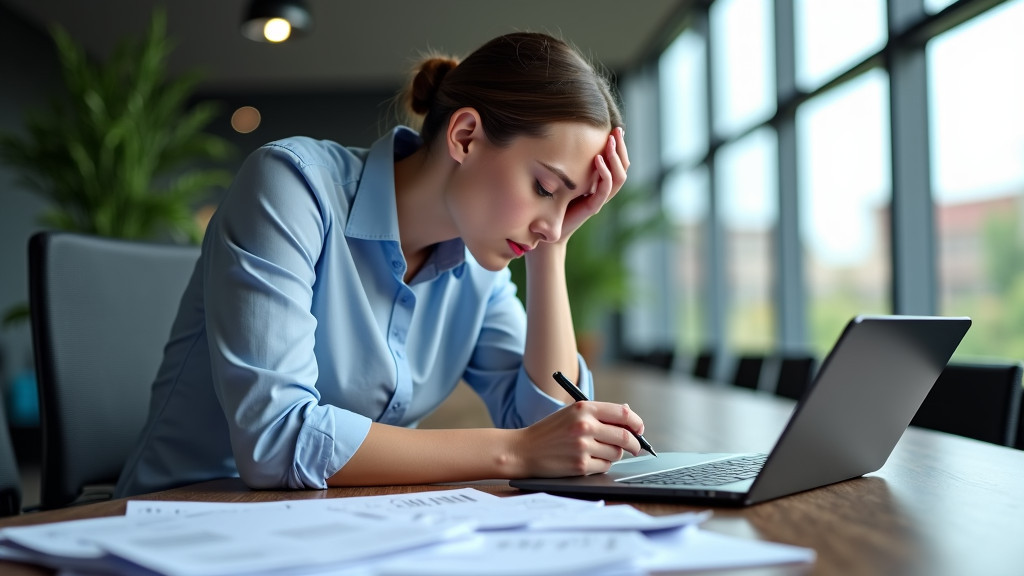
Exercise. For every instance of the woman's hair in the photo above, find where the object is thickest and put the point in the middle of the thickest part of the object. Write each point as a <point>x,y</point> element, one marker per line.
<point>519,84</point>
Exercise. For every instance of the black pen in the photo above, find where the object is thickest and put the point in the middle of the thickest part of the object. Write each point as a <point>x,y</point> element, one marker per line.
<point>579,396</point>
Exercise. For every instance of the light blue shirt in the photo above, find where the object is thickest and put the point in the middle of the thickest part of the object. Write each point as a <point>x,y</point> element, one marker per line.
<point>297,330</point>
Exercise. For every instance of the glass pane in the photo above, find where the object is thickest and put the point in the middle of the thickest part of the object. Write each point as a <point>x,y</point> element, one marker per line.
<point>845,197</point>
<point>743,63</point>
<point>934,6</point>
<point>747,177</point>
<point>683,90</point>
<point>832,35</point>
<point>685,195</point>
<point>977,131</point>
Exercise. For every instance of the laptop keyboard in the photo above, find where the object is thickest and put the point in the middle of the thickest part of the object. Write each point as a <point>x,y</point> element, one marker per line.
<point>709,474</point>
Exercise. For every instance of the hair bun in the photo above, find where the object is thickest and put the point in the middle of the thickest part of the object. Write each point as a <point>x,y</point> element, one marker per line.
<point>427,82</point>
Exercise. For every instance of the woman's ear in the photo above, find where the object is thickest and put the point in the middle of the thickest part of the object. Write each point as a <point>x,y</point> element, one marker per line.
<point>464,130</point>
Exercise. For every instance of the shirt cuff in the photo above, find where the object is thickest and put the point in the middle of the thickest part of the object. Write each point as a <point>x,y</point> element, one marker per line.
<point>344,438</point>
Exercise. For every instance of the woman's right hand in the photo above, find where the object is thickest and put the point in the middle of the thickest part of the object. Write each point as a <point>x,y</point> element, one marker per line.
<point>580,439</point>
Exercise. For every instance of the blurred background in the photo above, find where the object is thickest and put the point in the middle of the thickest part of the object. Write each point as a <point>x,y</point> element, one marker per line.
<point>805,160</point>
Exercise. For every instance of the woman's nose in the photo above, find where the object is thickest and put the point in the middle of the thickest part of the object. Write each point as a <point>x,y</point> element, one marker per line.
<point>548,227</point>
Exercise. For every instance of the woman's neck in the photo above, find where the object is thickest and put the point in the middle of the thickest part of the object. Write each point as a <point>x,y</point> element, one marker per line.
<point>423,217</point>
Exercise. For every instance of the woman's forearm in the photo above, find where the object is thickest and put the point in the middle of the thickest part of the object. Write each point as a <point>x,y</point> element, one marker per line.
<point>550,337</point>
<point>397,455</point>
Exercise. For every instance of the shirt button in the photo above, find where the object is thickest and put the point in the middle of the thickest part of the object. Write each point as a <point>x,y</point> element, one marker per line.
<point>396,264</point>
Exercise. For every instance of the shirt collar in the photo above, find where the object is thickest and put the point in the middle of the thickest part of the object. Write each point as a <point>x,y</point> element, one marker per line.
<point>374,213</point>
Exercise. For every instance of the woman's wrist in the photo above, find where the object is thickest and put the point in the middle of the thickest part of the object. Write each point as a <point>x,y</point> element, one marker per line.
<point>510,461</point>
<point>546,255</point>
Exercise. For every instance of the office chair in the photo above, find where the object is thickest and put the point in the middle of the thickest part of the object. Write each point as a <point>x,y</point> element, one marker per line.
<point>980,401</point>
<point>101,312</point>
<point>1019,444</point>
<point>795,375</point>
<point>10,479</point>
<point>662,358</point>
<point>703,364</point>
<point>748,371</point>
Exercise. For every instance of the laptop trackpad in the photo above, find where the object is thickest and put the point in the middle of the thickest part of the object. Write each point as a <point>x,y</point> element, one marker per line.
<point>665,461</point>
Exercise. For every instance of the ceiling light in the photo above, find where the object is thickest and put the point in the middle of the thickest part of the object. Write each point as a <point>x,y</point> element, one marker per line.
<point>276,20</point>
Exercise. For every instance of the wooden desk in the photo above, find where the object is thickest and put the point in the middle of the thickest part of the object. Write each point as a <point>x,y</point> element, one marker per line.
<point>940,505</point>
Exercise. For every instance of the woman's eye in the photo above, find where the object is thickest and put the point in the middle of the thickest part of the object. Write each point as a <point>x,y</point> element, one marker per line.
<point>540,189</point>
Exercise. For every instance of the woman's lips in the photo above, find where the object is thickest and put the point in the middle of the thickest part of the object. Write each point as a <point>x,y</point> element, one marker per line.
<point>517,248</point>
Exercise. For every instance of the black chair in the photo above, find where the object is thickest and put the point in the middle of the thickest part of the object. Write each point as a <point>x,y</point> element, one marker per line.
<point>703,364</point>
<point>980,401</point>
<point>662,358</point>
<point>10,479</point>
<point>1019,443</point>
<point>796,372</point>
<point>748,371</point>
<point>101,313</point>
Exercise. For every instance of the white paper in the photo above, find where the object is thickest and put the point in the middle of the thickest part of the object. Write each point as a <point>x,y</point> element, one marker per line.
<point>71,539</point>
<point>524,553</point>
<point>621,517</point>
<point>695,549</point>
<point>169,509</point>
<point>391,505</point>
<point>263,540</point>
<point>487,511</point>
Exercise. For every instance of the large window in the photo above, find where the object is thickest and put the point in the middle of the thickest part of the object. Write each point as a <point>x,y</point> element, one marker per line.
<point>741,55</point>
<point>790,216</point>
<point>685,195</point>
<point>832,35</point>
<point>684,135</point>
<point>843,145</point>
<point>747,174</point>
<point>977,146</point>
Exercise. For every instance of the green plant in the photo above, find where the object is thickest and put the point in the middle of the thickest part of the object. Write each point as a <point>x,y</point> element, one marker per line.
<point>597,276</point>
<point>120,152</point>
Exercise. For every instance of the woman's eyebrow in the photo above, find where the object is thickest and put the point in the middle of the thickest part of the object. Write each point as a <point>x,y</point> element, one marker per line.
<point>568,181</point>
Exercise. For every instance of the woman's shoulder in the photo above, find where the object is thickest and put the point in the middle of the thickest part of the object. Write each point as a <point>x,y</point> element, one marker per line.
<point>303,152</point>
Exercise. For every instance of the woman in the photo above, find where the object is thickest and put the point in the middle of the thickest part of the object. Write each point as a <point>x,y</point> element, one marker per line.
<point>342,293</point>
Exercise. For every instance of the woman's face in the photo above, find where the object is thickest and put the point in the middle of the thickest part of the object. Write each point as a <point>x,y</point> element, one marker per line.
<point>505,201</point>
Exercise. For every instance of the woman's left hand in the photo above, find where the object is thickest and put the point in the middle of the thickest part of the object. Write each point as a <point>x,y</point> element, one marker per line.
<point>610,167</point>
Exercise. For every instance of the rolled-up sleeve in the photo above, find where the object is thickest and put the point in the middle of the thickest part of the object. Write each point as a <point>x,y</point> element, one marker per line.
<point>496,370</point>
<point>259,279</point>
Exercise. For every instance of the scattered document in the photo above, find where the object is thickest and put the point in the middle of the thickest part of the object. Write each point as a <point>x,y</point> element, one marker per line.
<point>438,533</point>
<point>524,553</point>
<point>696,549</point>
<point>622,517</point>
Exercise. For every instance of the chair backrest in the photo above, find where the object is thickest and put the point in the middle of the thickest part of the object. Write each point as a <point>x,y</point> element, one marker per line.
<point>795,375</point>
<point>1019,443</point>
<point>980,401</point>
<point>748,371</point>
<point>662,358</point>
<point>101,312</point>
<point>703,364</point>
<point>10,479</point>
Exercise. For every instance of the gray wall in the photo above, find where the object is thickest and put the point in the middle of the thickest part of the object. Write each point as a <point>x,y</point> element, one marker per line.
<point>351,118</point>
<point>30,72</point>
<point>29,69</point>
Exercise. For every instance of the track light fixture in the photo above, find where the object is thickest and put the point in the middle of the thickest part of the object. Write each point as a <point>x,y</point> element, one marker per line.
<point>276,20</point>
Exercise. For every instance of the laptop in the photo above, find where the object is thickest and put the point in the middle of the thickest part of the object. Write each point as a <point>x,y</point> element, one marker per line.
<point>846,424</point>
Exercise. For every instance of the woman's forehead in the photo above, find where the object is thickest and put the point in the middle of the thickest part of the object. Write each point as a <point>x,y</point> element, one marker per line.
<point>567,146</point>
